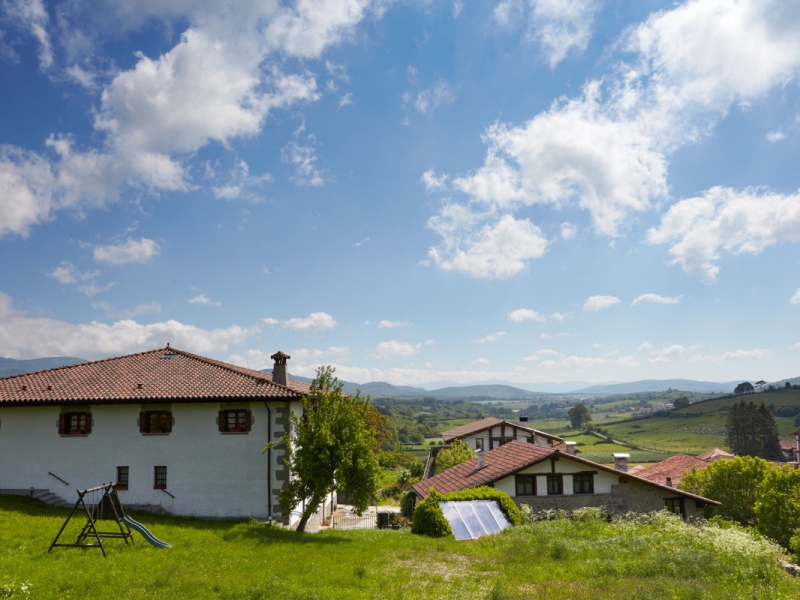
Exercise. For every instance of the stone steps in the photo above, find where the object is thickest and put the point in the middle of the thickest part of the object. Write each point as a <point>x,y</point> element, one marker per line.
<point>50,498</point>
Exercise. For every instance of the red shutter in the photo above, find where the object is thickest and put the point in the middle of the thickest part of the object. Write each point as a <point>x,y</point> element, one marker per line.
<point>169,422</point>
<point>62,423</point>
<point>222,421</point>
<point>142,422</point>
<point>88,423</point>
<point>247,420</point>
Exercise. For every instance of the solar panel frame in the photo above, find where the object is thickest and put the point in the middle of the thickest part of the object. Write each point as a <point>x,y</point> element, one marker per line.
<point>471,519</point>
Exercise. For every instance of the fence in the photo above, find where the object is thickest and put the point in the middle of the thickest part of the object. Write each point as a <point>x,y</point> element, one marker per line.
<point>353,522</point>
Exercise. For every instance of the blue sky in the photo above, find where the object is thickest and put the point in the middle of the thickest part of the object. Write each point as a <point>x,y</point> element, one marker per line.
<point>415,192</point>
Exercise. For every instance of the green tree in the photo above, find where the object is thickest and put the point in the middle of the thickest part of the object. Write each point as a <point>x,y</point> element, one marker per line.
<point>453,455</point>
<point>579,415</point>
<point>733,482</point>
<point>333,447</point>
<point>778,507</point>
<point>681,402</point>
<point>752,431</point>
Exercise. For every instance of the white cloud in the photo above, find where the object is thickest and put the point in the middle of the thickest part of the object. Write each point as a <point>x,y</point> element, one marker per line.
<point>757,353</point>
<point>67,273</point>
<point>132,251</point>
<point>667,354</point>
<point>597,303</point>
<point>346,100</point>
<point>492,337</point>
<point>560,317</point>
<point>441,94</point>
<point>301,153</point>
<point>627,361</point>
<point>495,249</point>
<point>395,348</point>
<point>582,362</point>
<point>539,354</point>
<point>239,183</point>
<point>22,336</point>
<point>204,300</point>
<point>480,362</point>
<point>561,26</point>
<point>318,321</point>
<point>656,299</point>
<point>26,191</point>
<point>796,298</point>
<point>796,346</point>
<point>434,182</point>
<point>645,345</point>
<point>568,231</point>
<point>776,136</point>
<point>303,361</point>
<point>526,314</point>
<point>32,15</point>
<point>386,324</point>
<point>270,321</point>
<point>725,220</point>
<point>136,311</point>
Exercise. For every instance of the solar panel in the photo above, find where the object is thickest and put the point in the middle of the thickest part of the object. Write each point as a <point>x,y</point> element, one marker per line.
<point>470,519</point>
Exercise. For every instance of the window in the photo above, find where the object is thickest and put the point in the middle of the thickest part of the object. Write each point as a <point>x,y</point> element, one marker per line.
<point>675,505</point>
<point>479,444</point>
<point>526,485</point>
<point>75,423</point>
<point>583,483</point>
<point>235,421</point>
<point>160,478</point>
<point>122,478</point>
<point>555,485</point>
<point>155,421</point>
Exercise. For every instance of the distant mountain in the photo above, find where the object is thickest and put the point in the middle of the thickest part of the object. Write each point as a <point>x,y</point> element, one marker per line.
<point>657,385</point>
<point>12,366</point>
<point>501,392</point>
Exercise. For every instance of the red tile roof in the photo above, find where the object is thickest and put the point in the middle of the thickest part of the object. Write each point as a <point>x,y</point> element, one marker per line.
<point>166,374</point>
<point>788,445</point>
<point>714,454</point>
<point>673,467</point>
<point>511,458</point>
<point>487,423</point>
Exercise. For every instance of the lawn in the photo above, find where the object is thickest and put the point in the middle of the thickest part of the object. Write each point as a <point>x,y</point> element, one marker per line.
<point>238,560</point>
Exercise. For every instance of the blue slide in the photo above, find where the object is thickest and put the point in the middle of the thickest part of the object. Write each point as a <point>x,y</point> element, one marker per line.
<point>145,532</point>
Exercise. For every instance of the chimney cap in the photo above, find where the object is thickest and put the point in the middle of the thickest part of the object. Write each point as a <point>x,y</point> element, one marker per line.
<point>571,443</point>
<point>279,355</point>
<point>620,454</point>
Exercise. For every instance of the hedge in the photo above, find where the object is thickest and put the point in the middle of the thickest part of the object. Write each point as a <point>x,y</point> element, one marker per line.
<point>429,519</point>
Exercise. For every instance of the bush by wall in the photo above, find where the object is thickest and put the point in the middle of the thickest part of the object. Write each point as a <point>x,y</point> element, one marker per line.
<point>407,504</point>
<point>429,519</point>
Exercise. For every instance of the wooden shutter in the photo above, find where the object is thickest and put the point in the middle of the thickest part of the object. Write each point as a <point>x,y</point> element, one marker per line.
<point>88,423</point>
<point>169,422</point>
<point>142,422</point>
<point>62,423</point>
<point>247,420</point>
<point>223,422</point>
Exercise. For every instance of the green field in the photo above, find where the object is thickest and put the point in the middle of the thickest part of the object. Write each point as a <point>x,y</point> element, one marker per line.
<point>699,427</point>
<point>579,560</point>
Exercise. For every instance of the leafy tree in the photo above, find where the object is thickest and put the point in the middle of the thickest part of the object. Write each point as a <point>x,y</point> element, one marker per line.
<point>778,506</point>
<point>332,448</point>
<point>579,415</point>
<point>752,431</point>
<point>744,388</point>
<point>733,482</point>
<point>681,402</point>
<point>453,455</point>
<point>797,421</point>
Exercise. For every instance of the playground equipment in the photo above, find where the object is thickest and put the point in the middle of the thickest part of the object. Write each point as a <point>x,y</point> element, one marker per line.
<point>102,503</point>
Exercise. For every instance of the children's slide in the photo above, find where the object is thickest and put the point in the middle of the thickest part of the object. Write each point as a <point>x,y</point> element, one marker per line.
<point>145,532</point>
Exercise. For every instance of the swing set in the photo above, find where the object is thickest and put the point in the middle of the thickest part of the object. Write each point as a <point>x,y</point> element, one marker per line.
<point>100,503</point>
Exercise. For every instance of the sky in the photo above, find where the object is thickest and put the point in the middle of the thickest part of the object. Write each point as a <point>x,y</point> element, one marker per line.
<point>417,192</point>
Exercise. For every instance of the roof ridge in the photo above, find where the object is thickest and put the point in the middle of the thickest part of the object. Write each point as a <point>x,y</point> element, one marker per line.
<point>239,370</point>
<point>83,364</point>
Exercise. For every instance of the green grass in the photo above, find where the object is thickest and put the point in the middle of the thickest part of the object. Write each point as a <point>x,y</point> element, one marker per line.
<point>579,560</point>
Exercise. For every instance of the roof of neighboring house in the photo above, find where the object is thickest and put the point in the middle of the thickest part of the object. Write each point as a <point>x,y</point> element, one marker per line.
<point>714,454</point>
<point>511,458</point>
<point>673,467</point>
<point>166,374</point>
<point>487,423</point>
<point>788,445</point>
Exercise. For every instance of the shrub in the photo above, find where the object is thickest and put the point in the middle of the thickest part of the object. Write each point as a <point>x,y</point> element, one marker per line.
<point>454,455</point>
<point>794,544</point>
<point>407,504</point>
<point>429,519</point>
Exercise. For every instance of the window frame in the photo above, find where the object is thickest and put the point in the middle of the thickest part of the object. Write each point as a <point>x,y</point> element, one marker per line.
<point>147,417</point>
<point>66,419</point>
<point>123,477</point>
<point>555,490</point>
<point>524,480</point>
<point>676,502</point>
<point>587,477</point>
<point>160,478</point>
<point>241,416</point>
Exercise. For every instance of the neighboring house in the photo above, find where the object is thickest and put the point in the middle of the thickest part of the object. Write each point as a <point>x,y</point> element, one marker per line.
<point>491,432</point>
<point>714,454</point>
<point>177,431</point>
<point>549,478</point>
<point>670,471</point>
<point>791,448</point>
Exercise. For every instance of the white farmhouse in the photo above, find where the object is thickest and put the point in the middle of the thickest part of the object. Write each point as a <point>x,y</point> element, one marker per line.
<point>491,432</point>
<point>178,432</point>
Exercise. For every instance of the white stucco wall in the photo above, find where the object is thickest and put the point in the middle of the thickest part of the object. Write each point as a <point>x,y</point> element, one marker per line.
<point>603,480</point>
<point>211,474</point>
<point>495,432</point>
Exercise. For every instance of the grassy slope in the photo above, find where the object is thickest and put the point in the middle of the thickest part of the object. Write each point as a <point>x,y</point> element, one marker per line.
<point>699,427</point>
<point>576,560</point>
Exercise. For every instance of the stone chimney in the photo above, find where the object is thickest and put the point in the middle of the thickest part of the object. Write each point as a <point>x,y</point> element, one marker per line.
<point>621,462</point>
<point>523,419</point>
<point>481,460</point>
<point>279,374</point>
<point>570,447</point>
<point>669,482</point>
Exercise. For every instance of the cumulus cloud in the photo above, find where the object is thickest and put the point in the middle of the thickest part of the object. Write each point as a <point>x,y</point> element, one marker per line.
<point>526,314</point>
<point>540,354</point>
<point>270,321</point>
<point>568,231</point>
<point>796,298</point>
<point>67,273</point>
<point>204,300</point>
<point>492,337</point>
<point>560,317</point>
<point>22,336</point>
<point>303,361</point>
<point>627,361</point>
<point>666,354</point>
<point>480,362</point>
<point>318,321</point>
<point>395,348</point>
<point>426,101</point>
<point>131,251</point>
<point>657,299</point>
<point>757,353</point>
<point>700,229</point>
<point>386,324</point>
<point>597,303</point>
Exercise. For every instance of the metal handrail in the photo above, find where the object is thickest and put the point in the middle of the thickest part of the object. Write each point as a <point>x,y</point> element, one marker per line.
<point>57,477</point>
<point>167,493</point>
